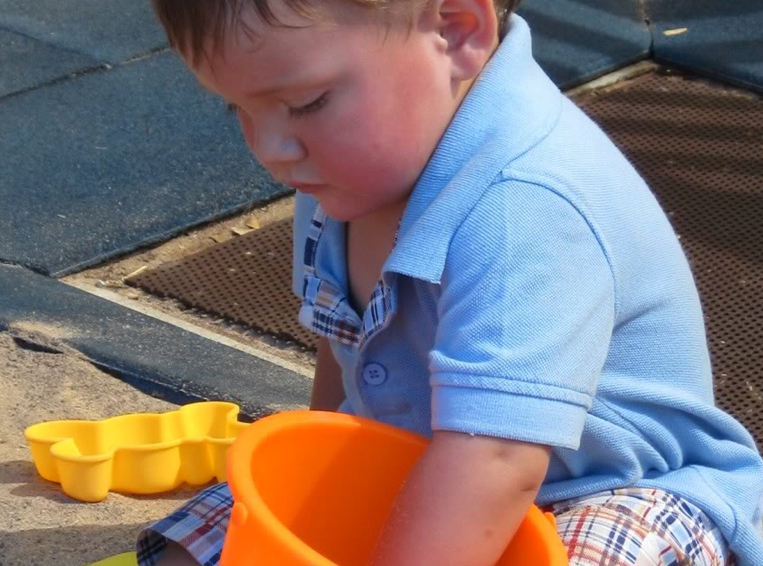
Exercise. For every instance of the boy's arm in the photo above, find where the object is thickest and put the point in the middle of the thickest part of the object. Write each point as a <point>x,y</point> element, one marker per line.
<point>463,502</point>
<point>328,392</point>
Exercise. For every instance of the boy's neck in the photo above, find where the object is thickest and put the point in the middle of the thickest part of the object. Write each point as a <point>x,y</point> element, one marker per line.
<point>385,216</point>
<point>369,242</point>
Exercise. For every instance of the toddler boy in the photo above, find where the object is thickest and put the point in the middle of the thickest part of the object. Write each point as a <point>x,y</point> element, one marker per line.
<point>485,268</point>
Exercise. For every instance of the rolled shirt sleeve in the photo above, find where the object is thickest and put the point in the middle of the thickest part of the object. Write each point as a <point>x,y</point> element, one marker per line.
<point>526,315</point>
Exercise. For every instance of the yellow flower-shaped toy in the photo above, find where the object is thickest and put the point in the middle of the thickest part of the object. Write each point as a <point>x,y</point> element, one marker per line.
<point>143,453</point>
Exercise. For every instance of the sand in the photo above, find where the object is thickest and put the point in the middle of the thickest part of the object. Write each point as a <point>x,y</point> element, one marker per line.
<point>39,524</point>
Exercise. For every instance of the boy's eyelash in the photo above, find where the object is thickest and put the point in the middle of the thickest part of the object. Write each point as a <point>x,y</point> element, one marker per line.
<point>314,106</point>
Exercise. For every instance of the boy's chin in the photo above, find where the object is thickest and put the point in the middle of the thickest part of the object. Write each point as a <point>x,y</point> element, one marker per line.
<point>343,209</point>
<point>339,213</point>
<point>337,208</point>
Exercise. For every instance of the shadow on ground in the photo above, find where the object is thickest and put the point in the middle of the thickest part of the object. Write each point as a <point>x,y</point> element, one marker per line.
<point>74,545</point>
<point>32,485</point>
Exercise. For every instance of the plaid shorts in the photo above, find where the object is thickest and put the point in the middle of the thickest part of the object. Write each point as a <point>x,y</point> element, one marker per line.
<point>638,527</point>
<point>623,527</point>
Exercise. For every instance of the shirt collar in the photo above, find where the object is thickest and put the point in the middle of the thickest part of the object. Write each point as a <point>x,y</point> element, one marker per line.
<point>511,106</point>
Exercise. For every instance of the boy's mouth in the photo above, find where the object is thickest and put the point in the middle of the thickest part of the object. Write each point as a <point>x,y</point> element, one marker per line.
<point>307,188</point>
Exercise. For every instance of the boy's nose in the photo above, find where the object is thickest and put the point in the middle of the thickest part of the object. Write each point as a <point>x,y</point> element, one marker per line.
<point>277,151</point>
<point>273,146</point>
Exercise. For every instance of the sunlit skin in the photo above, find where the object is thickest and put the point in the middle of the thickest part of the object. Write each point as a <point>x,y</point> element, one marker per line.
<point>344,108</point>
<point>350,110</point>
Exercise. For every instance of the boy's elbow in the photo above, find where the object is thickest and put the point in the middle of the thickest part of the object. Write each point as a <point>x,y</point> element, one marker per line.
<point>525,464</point>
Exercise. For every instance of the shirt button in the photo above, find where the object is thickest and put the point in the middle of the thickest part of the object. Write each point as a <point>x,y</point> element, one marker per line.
<point>374,374</point>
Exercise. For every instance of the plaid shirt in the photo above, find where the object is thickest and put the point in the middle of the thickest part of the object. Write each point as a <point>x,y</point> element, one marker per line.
<point>325,309</point>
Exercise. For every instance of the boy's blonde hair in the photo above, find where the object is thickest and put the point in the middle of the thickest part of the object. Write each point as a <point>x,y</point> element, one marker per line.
<point>189,23</point>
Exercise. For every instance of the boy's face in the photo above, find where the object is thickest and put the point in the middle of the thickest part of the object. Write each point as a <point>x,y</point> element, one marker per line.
<point>349,111</point>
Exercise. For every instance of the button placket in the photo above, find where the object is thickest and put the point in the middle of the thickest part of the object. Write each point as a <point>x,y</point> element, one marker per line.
<point>374,373</point>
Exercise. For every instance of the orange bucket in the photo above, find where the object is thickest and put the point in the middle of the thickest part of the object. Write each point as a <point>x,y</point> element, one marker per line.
<point>314,489</point>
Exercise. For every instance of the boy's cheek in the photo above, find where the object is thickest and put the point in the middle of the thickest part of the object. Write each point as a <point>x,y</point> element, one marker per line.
<point>385,125</point>
<point>247,130</point>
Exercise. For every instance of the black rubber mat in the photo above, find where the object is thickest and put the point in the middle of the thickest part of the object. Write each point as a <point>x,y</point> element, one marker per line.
<point>156,357</point>
<point>700,146</point>
<point>82,182</point>
<point>27,62</point>
<point>719,38</point>
<point>578,40</point>
<point>108,30</point>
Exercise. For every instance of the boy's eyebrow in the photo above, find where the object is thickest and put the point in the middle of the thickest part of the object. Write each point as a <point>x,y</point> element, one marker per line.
<point>301,83</point>
<point>267,91</point>
<point>298,80</point>
<point>258,93</point>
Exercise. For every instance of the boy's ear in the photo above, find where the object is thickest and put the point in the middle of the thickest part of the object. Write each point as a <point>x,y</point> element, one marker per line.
<point>470,31</point>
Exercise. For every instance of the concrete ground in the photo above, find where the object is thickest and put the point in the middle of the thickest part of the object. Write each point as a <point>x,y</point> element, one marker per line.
<point>39,525</point>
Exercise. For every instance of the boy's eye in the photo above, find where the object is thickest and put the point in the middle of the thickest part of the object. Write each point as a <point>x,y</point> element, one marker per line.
<point>314,106</point>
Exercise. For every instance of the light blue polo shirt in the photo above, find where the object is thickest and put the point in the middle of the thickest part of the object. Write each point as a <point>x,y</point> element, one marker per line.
<point>538,292</point>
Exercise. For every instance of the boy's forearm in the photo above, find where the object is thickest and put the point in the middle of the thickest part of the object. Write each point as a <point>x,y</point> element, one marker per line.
<point>328,392</point>
<point>462,503</point>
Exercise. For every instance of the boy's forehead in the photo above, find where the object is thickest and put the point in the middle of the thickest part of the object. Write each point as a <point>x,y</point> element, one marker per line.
<point>249,34</point>
<point>255,55</point>
<point>254,50</point>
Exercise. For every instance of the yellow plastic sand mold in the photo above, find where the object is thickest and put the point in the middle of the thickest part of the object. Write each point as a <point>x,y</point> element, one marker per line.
<point>125,559</point>
<point>143,453</point>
